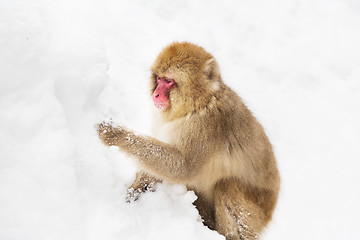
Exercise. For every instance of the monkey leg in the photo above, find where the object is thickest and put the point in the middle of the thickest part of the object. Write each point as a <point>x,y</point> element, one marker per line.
<point>143,182</point>
<point>206,211</point>
<point>241,211</point>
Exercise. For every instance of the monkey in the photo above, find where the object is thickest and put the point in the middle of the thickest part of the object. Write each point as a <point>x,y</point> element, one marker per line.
<point>207,139</point>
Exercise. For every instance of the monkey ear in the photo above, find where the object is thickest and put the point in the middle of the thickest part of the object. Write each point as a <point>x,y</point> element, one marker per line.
<point>211,69</point>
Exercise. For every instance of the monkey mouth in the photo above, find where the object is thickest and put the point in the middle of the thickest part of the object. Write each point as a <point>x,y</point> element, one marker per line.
<point>161,106</point>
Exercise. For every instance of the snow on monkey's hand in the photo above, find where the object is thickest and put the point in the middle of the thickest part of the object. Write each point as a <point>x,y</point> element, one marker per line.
<point>110,135</point>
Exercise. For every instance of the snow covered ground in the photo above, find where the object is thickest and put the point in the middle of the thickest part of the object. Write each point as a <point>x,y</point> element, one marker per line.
<point>66,64</point>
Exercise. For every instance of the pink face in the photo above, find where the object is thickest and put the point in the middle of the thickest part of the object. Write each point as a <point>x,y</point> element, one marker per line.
<point>162,92</point>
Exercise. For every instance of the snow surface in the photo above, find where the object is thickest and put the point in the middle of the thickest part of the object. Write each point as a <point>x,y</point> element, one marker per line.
<point>67,64</point>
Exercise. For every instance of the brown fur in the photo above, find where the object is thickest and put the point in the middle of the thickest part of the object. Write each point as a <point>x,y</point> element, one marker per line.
<point>208,140</point>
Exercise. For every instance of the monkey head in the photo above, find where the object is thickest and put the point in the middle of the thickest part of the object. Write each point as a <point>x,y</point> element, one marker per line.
<point>184,77</point>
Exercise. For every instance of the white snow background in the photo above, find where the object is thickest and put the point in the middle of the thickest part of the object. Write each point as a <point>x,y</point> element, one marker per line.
<point>67,64</point>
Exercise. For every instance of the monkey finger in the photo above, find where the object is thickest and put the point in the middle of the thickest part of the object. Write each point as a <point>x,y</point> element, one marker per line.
<point>109,134</point>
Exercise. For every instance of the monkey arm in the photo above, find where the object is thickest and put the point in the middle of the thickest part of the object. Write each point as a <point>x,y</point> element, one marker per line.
<point>164,160</point>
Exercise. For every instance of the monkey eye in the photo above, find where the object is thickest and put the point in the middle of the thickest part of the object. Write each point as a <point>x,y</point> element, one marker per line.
<point>168,81</point>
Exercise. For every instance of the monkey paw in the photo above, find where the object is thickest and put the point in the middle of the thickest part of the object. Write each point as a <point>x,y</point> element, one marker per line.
<point>109,134</point>
<point>133,193</point>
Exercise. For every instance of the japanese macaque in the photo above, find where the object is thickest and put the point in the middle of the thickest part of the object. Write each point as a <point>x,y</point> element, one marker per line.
<point>206,139</point>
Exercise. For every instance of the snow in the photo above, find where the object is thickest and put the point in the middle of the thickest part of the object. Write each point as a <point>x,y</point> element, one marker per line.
<point>66,65</point>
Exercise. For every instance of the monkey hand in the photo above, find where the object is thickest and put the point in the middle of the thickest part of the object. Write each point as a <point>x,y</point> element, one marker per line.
<point>110,135</point>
